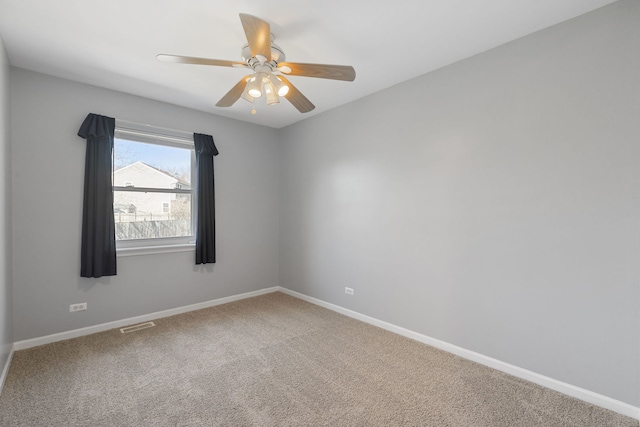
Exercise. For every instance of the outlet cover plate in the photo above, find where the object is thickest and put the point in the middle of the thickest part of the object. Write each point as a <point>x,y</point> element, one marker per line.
<point>77,307</point>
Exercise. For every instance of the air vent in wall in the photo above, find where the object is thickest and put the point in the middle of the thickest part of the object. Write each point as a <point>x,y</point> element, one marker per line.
<point>137,327</point>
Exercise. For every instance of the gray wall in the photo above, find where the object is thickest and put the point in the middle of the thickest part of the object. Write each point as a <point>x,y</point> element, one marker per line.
<point>48,171</point>
<point>6,312</point>
<point>492,204</point>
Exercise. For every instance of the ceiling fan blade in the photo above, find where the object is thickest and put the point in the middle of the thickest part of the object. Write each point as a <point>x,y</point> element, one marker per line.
<point>199,61</point>
<point>234,94</point>
<point>297,98</point>
<point>258,34</point>
<point>322,71</point>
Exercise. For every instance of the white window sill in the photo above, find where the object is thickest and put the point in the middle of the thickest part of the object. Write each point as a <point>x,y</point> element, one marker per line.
<point>150,250</point>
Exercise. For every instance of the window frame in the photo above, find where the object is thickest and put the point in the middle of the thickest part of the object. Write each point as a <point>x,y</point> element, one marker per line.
<point>168,138</point>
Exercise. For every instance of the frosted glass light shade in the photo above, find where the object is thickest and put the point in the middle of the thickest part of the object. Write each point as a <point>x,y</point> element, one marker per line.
<point>254,87</point>
<point>281,88</point>
<point>270,90</point>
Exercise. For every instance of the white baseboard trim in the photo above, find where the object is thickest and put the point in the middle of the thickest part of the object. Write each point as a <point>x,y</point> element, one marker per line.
<point>34,342</point>
<point>568,389</point>
<point>5,369</point>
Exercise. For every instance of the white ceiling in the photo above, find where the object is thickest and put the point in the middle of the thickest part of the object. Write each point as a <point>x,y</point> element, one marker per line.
<point>114,43</point>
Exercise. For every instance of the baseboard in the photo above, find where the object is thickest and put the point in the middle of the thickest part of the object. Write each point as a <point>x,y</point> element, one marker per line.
<point>5,369</point>
<point>562,387</point>
<point>34,342</point>
<point>568,389</point>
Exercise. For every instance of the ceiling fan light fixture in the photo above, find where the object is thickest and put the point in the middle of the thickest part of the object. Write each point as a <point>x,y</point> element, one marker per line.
<point>284,90</point>
<point>270,91</point>
<point>254,89</point>
<point>265,58</point>
<point>247,97</point>
<point>281,88</point>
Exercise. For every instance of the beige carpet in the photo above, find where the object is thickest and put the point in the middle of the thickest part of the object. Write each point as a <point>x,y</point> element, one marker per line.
<point>272,360</point>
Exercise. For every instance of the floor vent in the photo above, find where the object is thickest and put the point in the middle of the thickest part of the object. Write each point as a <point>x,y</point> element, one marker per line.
<point>137,327</point>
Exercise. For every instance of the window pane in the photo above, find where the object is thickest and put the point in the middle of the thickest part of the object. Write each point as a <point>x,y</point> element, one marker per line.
<point>151,215</point>
<point>138,164</point>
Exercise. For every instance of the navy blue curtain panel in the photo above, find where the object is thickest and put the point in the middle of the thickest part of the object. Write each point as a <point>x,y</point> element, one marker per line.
<point>98,251</point>
<point>205,188</point>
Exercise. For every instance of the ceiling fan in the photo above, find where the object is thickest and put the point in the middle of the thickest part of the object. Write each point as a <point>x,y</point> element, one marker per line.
<point>269,66</point>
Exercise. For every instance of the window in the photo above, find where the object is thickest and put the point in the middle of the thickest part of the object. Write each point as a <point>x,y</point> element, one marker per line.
<point>158,211</point>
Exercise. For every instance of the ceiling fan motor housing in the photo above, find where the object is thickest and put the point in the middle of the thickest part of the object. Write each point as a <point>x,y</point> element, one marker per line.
<point>277,55</point>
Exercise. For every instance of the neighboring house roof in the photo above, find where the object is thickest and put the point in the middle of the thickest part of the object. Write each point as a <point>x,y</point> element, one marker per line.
<point>185,184</point>
<point>180,180</point>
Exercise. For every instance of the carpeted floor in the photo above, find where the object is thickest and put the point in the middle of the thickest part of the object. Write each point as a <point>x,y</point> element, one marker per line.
<point>272,360</point>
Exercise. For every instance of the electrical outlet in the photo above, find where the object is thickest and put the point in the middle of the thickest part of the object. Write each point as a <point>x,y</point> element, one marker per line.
<point>78,307</point>
<point>348,291</point>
